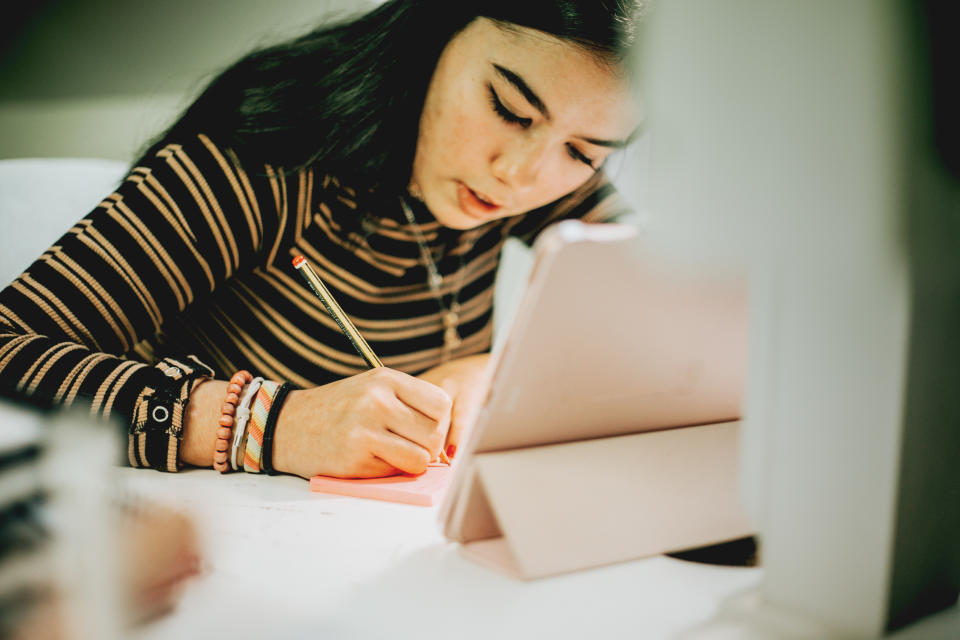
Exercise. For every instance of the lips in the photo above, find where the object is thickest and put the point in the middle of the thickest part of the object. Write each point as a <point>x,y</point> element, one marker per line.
<point>475,205</point>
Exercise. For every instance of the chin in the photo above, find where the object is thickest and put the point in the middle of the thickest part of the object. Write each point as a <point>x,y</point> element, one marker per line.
<point>459,220</point>
<point>452,217</point>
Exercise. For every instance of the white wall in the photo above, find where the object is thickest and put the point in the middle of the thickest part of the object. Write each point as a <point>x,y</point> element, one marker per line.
<point>97,78</point>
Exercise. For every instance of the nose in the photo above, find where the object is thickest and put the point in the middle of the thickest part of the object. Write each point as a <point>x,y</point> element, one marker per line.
<point>518,165</point>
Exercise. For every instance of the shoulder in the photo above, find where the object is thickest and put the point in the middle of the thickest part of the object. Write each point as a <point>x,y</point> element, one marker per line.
<point>208,162</point>
<point>198,149</point>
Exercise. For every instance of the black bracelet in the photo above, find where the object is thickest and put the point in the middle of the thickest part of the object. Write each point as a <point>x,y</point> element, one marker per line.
<point>157,428</point>
<point>266,455</point>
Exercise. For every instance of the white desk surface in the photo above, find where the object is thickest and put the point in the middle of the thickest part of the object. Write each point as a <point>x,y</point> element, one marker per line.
<point>282,561</point>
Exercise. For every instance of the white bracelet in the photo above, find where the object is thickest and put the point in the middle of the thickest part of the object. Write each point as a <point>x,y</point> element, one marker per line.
<point>240,423</point>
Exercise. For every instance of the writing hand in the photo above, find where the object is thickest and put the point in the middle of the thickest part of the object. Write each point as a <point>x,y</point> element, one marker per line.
<point>368,425</point>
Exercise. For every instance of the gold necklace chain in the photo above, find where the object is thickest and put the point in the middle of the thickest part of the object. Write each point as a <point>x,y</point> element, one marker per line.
<point>450,315</point>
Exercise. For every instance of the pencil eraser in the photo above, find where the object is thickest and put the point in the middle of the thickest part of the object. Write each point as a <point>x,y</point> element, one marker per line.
<point>299,260</point>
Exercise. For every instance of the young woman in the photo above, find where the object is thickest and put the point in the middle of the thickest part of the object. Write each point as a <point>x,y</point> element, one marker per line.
<point>397,152</point>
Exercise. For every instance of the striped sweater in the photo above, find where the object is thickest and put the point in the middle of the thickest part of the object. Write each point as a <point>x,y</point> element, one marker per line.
<point>185,270</point>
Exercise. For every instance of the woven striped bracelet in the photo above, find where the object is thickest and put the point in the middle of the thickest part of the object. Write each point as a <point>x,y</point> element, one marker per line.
<point>256,424</point>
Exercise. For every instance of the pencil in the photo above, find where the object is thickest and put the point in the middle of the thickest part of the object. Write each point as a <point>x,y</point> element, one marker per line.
<point>333,308</point>
<point>342,320</point>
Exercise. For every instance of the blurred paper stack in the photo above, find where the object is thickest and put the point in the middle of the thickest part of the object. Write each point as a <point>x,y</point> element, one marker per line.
<point>58,530</point>
<point>26,559</point>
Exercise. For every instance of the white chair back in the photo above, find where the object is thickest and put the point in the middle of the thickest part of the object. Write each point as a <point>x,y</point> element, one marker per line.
<point>41,198</point>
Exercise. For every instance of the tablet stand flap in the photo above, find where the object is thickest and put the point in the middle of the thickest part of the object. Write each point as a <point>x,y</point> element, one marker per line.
<point>580,504</point>
<point>471,517</point>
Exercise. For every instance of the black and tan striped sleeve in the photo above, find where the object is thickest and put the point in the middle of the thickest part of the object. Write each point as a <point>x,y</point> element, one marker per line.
<point>596,201</point>
<point>178,226</point>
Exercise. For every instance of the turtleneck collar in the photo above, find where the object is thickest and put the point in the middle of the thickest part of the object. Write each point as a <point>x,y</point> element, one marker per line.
<point>375,211</point>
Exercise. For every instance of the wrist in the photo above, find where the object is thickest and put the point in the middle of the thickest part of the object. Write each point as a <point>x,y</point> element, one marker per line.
<point>201,422</point>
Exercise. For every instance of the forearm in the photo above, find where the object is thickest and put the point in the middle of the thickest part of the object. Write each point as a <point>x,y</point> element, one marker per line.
<point>148,401</point>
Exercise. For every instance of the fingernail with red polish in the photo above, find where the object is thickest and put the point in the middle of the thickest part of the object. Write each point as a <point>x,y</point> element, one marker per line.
<point>452,449</point>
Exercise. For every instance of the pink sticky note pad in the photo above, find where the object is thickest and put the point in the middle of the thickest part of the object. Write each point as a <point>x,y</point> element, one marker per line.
<point>425,490</point>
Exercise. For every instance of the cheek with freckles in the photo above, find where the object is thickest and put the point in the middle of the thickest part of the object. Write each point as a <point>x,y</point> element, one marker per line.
<point>436,139</point>
<point>554,181</point>
<point>462,132</point>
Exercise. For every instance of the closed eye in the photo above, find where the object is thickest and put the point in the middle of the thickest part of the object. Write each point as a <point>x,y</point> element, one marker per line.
<point>511,118</point>
<point>576,154</point>
<point>505,114</point>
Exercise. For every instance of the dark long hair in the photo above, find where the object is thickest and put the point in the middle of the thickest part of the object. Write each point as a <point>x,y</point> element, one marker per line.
<point>349,95</point>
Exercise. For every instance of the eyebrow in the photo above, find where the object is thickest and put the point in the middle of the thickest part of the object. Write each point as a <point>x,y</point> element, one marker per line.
<point>612,144</point>
<point>523,88</point>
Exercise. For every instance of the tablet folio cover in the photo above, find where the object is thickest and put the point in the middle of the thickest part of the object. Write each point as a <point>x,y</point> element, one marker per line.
<point>609,431</point>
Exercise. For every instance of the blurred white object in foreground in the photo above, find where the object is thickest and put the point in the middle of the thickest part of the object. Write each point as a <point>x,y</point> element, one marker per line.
<point>783,139</point>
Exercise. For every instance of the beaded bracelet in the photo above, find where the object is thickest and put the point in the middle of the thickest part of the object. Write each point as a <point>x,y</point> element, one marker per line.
<point>240,428</point>
<point>258,421</point>
<point>225,432</point>
<point>266,459</point>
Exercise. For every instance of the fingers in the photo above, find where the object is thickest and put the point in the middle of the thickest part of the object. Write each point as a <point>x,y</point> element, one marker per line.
<point>401,453</point>
<point>464,414</point>
<point>423,414</point>
<point>373,467</point>
<point>453,433</point>
<point>427,398</point>
<point>419,429</point>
